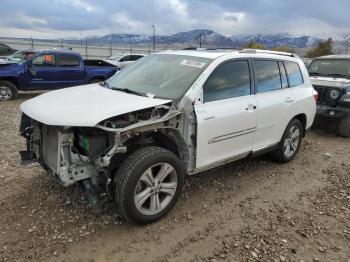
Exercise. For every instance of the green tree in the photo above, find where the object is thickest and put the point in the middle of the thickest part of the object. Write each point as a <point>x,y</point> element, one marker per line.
<point>323,48</point>
<point>254,45</point>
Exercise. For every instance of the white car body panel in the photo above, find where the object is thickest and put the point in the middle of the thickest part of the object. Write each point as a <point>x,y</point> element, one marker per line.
<point>84,106</point>
<point>274,113</point>
<point>225,129</point>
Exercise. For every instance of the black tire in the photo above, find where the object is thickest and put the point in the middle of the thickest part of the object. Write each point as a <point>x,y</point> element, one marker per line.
<point>279,154</point>
<point>127,178</point>
<point>95,81</point>
<point>344,127</point>
<point>13,91</point>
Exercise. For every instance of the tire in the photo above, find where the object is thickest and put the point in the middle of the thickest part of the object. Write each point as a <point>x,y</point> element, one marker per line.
<point>95,81</point>
<point>8,90</point>
<point>136,179</point>
<point>281,154</point>
<point>344,127</point>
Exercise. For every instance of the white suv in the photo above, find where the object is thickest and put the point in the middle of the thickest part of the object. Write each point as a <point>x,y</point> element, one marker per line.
<point>170,114</point>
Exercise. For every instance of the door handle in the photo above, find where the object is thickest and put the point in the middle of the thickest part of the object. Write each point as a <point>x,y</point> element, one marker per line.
<point>289,100</point>
<point>251,107</point>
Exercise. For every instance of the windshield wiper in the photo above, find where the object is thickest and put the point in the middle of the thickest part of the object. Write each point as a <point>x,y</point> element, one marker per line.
<point>104,84</point>
<point>129,91</point>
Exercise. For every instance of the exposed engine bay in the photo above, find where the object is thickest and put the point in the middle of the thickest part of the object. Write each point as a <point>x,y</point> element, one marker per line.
<point>90,155</point>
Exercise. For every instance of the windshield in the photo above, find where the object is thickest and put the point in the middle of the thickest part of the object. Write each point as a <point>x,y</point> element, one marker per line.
<point>161,75</point>
<point>20,56</point>
<point>330,67</point>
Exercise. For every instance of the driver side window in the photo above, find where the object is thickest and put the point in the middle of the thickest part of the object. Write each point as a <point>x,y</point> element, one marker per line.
<point>229,80</point>
<point>44,60</point>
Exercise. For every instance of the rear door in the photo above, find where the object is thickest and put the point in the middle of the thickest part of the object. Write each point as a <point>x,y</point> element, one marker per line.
<point>226,120</point>
<point>70,70</point>
<point>274,102</point>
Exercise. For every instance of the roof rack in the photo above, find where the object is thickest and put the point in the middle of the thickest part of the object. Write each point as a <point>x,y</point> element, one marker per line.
<point>259,51</point>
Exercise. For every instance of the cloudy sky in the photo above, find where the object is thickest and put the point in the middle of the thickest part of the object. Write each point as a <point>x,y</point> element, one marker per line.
<point>72,18</point>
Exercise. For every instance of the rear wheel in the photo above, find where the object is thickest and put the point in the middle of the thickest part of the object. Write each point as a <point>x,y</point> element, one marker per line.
<point>344,127</point>
<point>8,90</point>
<point>148,184</point>
<point>290,143</point>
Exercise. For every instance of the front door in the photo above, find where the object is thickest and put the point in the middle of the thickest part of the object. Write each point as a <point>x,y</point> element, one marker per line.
<point>42,72</point>
<point>226,120</point>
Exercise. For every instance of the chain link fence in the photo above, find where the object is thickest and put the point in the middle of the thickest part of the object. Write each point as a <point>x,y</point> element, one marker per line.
<point>87,51</point>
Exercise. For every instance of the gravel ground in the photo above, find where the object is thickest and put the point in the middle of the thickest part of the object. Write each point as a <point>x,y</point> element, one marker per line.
<point>251,210</point>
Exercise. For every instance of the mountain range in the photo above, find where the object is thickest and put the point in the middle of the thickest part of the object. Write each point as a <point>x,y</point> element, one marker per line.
<point>208,38</point>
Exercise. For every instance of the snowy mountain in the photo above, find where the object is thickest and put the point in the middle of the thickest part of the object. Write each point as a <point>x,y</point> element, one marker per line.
<point>275,40</point>
<point>209,38</point>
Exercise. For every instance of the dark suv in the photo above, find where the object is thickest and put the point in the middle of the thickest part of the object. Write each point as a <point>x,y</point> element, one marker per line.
<point>5,50</point>
<point>330,76</point>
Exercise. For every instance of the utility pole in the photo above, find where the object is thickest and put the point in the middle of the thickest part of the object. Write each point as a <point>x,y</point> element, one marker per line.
<point>110,46</point>
<point>154,37</point>
<point>200,40</point>
<point>32,41</point>
<point>81,40</point>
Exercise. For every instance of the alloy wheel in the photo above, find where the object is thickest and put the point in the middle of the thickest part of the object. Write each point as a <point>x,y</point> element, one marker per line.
<point>155,189</point>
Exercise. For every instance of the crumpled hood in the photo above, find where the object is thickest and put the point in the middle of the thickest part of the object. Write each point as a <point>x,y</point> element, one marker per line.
<point>330,81</point>
<point>84,105</point>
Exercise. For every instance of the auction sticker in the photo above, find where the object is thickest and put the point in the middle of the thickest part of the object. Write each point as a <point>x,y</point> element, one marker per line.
<point>192,63</point>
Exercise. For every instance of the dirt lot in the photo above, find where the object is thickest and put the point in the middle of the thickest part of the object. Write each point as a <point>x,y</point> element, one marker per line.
<point>253,210</point>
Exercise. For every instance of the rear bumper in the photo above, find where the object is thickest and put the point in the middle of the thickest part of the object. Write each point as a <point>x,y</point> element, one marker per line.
<point>332,112</point>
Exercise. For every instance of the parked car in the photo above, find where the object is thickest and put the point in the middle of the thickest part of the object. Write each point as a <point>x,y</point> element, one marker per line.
<point>330,76</point>
<point>20,56</point>
<point>171,114</point>
<point>49,70</point>
<point>5,50</point>
<point>123,60</point>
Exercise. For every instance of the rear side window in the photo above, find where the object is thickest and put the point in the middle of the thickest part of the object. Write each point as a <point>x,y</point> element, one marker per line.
<point>68,60</point>
<point>294,74</point>
<point>267,76</point>
<point>135,57</point>
<point>44,60</point>
<point>125,58</point>
<point>229,80</point>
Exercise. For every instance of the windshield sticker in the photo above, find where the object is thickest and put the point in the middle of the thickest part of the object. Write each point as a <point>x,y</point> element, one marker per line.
<point>192,63</point>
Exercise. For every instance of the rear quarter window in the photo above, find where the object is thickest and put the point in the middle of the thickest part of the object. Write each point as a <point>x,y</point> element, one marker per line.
<point>294,73</point>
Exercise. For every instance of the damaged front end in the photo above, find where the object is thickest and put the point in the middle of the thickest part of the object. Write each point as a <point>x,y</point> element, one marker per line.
<point>89,156</point>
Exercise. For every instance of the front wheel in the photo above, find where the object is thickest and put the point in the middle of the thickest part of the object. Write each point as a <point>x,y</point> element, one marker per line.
<point>8,90</point>
<point>148,184</point>
<point>290,143</point>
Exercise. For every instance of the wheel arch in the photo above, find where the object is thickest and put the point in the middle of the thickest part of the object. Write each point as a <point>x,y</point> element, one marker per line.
<point>11,79</point>
<point>303,119</point>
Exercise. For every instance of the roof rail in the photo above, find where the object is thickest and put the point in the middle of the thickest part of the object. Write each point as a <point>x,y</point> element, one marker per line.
<point>259,51</point>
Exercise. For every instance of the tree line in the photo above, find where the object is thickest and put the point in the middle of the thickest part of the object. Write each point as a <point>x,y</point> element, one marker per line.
<point>322,48</point>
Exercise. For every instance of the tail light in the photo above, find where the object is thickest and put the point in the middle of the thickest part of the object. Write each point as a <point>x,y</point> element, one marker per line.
<point>315,95</point>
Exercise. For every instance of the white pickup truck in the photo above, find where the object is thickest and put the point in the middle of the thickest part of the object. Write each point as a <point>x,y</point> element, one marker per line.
<point>168,115</point>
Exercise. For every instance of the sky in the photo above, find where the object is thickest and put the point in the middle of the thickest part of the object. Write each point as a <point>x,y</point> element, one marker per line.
<point>83,18</point>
